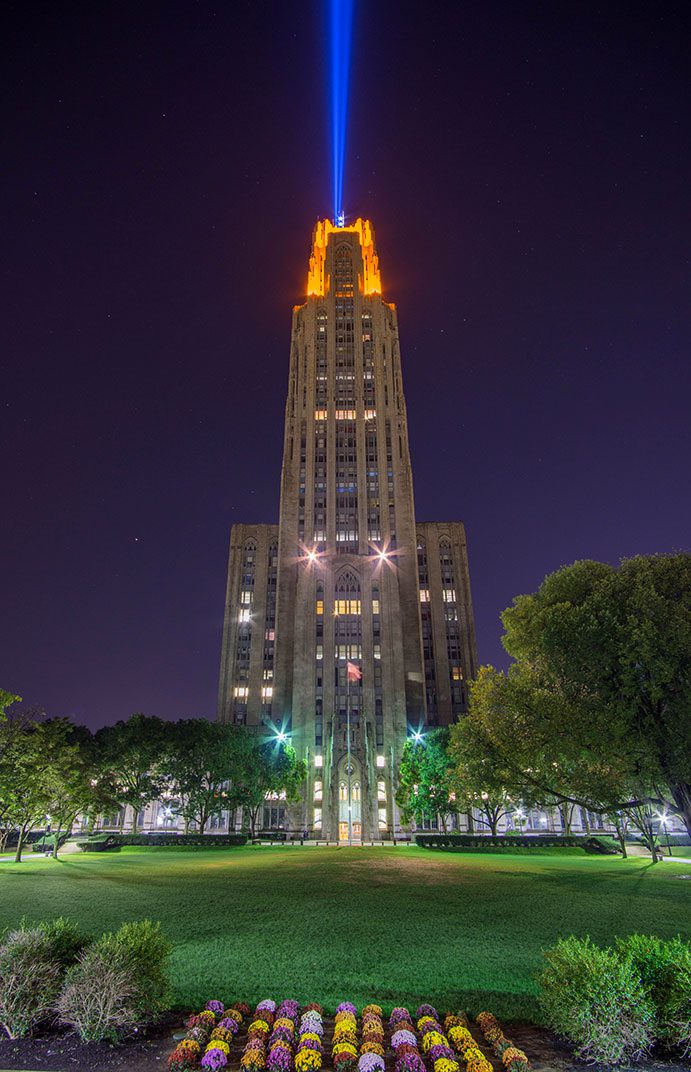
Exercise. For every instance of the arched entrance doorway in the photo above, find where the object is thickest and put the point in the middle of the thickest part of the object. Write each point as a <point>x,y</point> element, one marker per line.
<point>349,802</point>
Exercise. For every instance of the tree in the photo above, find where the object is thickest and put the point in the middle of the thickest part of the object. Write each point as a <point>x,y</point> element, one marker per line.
<point>595,707</point>
<point>481,782</point>
<point>130,756</point>
<point>426,784</point>
<point>30,758</point>
<point>70,777</point>
<point>8,729</point>
<point>201,766</point>
<point>268,766</point>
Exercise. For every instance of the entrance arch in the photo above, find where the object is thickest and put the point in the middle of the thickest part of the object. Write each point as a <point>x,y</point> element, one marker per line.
<point>349,811</point>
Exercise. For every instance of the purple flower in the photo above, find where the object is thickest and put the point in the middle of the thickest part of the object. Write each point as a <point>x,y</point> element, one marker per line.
<point>310,1044</point>
<point>347,1006</point>
<point>426,1010</point>
<point>371,1062</point>
<point>441,1051</point>
<point>398,1014</point>
<point>267,1004</point>
<point>289,1008</point>
<point>198,1034</point>
<point>400,1037</point>
<point>230,1024</point>
<point>214,1059</point>
<point>216,1007</point>
<point>279,1060</point>
<point>412,1062</point>
<point>282,1033</point>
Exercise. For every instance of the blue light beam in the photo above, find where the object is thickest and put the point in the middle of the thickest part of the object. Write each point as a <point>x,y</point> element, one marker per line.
<point>340,47</point>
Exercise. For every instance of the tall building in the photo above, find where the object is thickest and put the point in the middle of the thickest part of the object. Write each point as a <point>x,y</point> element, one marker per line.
<point>348,625</point>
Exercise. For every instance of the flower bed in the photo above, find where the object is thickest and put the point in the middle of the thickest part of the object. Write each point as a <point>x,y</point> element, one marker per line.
<point>287,1038</point>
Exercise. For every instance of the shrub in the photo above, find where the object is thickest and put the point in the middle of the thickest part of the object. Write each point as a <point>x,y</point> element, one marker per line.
<point>118,985</point>
<point>30,976</point>
<point>65,940</point>
<point>664,969</point>
<point>98,999</point>
<point>601,846</point>
<point>595,999</point>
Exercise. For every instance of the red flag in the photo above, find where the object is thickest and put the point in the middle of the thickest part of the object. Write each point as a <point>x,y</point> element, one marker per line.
<point>354,672</point>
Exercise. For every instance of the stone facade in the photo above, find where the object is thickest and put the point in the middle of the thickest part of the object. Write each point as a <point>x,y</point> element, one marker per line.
<point>348,625</point>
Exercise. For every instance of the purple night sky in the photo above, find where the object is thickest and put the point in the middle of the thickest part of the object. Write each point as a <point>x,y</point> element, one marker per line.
<point>526,167</point>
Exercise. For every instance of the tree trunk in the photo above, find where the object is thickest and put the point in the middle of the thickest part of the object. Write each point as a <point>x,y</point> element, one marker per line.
<point>20,845</point>
<point>471,823</point>
<point>681,795</point>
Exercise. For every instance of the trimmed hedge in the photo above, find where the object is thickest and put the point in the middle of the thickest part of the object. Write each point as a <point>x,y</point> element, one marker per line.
<point>105,841</point>
<point>590,843</point>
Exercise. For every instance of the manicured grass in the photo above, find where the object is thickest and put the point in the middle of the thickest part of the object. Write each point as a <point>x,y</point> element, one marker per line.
<point>395,925</point>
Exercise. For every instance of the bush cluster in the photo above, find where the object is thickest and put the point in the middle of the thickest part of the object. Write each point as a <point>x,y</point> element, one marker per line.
<point>616,1004</point>
<point>105,990</point>
<point>491,841</point>
<point>106,841</point>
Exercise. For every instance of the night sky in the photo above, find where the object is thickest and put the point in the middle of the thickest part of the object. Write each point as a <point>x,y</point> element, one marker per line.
<point>527,171</point>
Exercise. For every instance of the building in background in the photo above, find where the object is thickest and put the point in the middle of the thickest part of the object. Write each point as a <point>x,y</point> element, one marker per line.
<point>349,624</point>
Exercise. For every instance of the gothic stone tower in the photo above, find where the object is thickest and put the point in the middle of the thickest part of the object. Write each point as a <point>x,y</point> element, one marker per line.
<point>348,620</point>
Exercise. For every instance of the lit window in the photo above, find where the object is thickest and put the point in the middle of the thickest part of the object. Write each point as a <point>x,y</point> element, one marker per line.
<point>268,675</point>
<point>318,762</point>
<point>375,606</point>
<point>377,651</point>
<point>320,606</point>
<point>319,654</point>
<point>456,673</point>
<point>347,606</point>
<point>449,595</point>
<point>246,596</point>
<point>370,414</point>
<point>320,414</point>
<point>240,692</point>
<point>270,634</point>
<point>345,414</point>
<point>267,692</point>
<point>381,762</point>
<point>424,595</point>
<point>244,615</point>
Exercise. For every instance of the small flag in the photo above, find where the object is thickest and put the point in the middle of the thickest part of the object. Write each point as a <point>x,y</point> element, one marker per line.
<point>354,672</point>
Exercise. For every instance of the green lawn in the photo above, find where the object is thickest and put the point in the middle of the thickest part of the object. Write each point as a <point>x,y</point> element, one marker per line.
<point>395,925</point>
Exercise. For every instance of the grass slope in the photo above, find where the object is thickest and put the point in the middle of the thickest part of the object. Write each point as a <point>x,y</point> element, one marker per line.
<point>333,924</point>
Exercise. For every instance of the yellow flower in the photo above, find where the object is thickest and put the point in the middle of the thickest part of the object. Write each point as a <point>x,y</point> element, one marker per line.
<point>341,1017</point>
<point>373,1047</point>
<point>443,1064</point>
<point>376,1010</point>
<point>218,1044</point>
<point>190,1046</point>
<point>283,1021</point>
<point>344,1047</point>
<point>459,1034</point>
<point>425,1020</point>
<point>432,1038</point>
<point>308,1061</point>
<point>260,1027</point>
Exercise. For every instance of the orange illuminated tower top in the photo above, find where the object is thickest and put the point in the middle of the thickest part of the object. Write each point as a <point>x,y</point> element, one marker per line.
<point>318,279</point>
